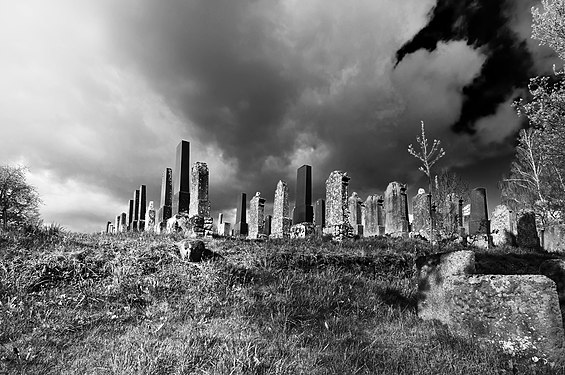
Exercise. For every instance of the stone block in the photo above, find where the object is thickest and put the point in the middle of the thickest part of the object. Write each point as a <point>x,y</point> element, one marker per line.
<point>518,313</point>
<point>555,270</point>
<point>302,230</point>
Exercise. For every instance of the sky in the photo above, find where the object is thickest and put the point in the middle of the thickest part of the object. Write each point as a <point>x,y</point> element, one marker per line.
<point>95,95</point>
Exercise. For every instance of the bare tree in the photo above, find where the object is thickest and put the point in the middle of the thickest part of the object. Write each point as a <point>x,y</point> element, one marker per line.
<point>427,155</point>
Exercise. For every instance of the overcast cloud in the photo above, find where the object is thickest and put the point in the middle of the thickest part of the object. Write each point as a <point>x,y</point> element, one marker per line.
<point>95,95</point>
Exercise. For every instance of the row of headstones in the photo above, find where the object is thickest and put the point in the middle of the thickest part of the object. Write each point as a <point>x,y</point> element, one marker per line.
<point>340,215</point>
<point>183,194</point>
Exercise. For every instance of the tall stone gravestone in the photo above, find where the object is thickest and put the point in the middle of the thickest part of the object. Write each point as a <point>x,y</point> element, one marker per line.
<point>142,207</point>
<point>135,222</point>
<point>131,212</point>
<point>199,199</point>
<point>527,232</point>
<point>396,222</point>
<point>108,227</point>
<point>268,224</point>
<point>181,179</point>
<point>421,211</point>
<point>281,222</point>
<point>240,228</point>
<point>118,223</point>
<point>150,218</point>
<point>166,208</point>
<point>503,226</point>
<point>478,219</point>
<point>256,216</point>
<point>355,204</point>
<point>303,211</point>
<point>124,225</point>
<point>372,216</point>
<point>320,216</point>
<point>337,210</point>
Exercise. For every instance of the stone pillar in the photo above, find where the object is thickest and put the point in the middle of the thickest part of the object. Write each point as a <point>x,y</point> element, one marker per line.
<point>354,204</point>
<point>337,210</point>
<point>166,208</point>
<point>131,212</point>
<point>142,207</point>
<point>369,216</point>
<point>135,222</point>
<point>460,214</point>
<point>108,227</point>
<point>320,213</point>
<point>404,201</point>
<point>268,224</point>
<point>421,211</point>
<point>396,223</point>
<point>181,179</point>
<point>124,225</point>
<point>240,228</point>
<point>281,221</point>
<point>199,202</point>
<point>303,211</point>
<point>118,223</point>
<point>256,216</point>
<point>150,218</point>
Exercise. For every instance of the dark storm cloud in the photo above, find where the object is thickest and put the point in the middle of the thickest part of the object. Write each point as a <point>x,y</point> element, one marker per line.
<point>484,25</point>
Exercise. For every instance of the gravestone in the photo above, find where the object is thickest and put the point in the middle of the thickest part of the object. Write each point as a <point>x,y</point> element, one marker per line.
<point>199,202</point>
<point>131,212</point>
<point>268,225</point>
<point>421,212</point>
<point>369,216</point>
<point>108,227</point>
<point>123,226</point>
<point>181,179</point>
<point>150,218</point>
<point>320,213</point>
<point>302,230</point>
<point>527,235</point>
<point>142,207</point>
<point>503,226</point>
<point>337,210</point>
<point>118,223</point>
<point>381,215</point>
<point>396,222</point>
<point>303,211</point>
<point>554,238</point>
<point>224,229</point>
<point>256,216</point>
<point>281,222</point>
<point>240,228</point>
<point>478,220</point>
<point>135,222</point>
<point>166,208</point>
<point>355,204</point>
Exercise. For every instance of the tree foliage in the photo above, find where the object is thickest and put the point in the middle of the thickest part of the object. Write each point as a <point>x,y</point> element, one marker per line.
<point>19,201</point>
<point>427,155</point>
<point>537,174</point>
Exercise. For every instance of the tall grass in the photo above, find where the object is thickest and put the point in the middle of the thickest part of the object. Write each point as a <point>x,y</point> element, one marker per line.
<point>127,304</point>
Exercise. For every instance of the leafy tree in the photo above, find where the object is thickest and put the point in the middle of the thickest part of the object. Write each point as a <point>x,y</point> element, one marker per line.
<point>537,176</point>
<point>19,201</point>
<point>427,155</point>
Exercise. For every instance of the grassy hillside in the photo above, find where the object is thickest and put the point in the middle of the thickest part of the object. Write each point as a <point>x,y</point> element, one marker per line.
<point>127,304</point>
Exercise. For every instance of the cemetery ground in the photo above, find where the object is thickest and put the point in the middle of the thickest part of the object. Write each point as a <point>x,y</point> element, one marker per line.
<point>128,304</point>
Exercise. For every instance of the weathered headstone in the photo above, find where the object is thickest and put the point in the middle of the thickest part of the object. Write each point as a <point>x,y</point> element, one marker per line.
<point>281,222</point>
<point>303,211</point>
<point>108,227</point>
<point>302,230</point>
<point>240,228</point>
<point>369,216</point>
<point>396,222</point>
<point>355,203</point>
<point>181,178</point>
<point>503,226</point>
<point>135,222</point>
<point>337,210</point>
<point>150,218</point>
<point>527,235</point>
<point>199,202</point>
<point>421,212</point>
<point>225,229</point>
<point>320,214</point>
<point>554,238</point>
<point>165,210</point>
<point>118,223</point>
<point>256,216</point>
<point>142,207</point>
